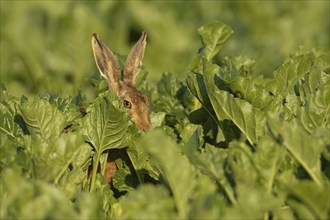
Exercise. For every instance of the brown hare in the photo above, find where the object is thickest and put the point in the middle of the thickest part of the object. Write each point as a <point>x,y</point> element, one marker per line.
<point>135,101</point>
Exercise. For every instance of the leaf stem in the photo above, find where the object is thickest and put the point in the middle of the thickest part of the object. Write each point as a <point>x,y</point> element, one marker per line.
<point>103,161</point>
<point>95,168</point>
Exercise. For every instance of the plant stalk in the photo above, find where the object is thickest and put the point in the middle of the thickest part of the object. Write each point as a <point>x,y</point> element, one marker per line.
<point>95,168</point>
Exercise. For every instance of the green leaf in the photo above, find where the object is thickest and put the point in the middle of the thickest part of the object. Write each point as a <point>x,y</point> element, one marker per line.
<point>254,174</point>
<point>123,180</point>
<point>105,126</point>
<point>314,115</point>
<point>205,115</point>
<point>173,167</point>
<point>241,166</point>
<point>307,199</point>
<point>157,119</point>
<point>167,98</point>
<point>65,105</point>
<point>106,195</point>
<point>289,73</point>
<point>192,133</point>
<point>83,156</point>
<point>213,36</point>
<point>42,118</point>
<point>70,182</point>
<point>36,195</point>
<point>8,125</point>
<point>249,205</point>
<point>266,160</point>
<point>305,149</point>
<point>211,162</point>
<point>89,206</point>
<point>50,160</point>
<point>206,202</point>
<point>253,91</point>
<point>147,202</point>
<point>8,156</point>
<point>241,63</point>
<point>140,160</point>
<point>197,87</point>
<point>68,149</point>
<point>249,120</point>
<point>23,200</point>
<point>168,85</point>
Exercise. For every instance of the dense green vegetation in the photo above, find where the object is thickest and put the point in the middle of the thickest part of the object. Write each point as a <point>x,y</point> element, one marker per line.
<point>227,141</point>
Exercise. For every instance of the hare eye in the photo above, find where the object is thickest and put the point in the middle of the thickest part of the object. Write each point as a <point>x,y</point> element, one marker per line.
<point>127,104</point>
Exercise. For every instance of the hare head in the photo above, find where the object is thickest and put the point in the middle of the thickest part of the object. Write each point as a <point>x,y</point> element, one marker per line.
<point>135,101</point>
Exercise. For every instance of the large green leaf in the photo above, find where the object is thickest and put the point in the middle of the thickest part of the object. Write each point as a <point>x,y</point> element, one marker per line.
<point>147,202</point>
<point>266,160</point>
<point>36,195</point>
<point>205,115</point>
<point>50,160</point>
<point>211,162</point>
<point>240,164</point>
<point>140,160</point>
<point>306,198</point>
<point>42,118</point>
<point>313,113</point>
<point>252,90</point>
<point>69,150</point>
<point>65,105</point>
<point>252,182</point>
<point>305,149</point>
<point>206,202</point>
<point>173,166</point>
<point>289,73</point>
<point>249,120</point>
<point>105,126</point>
<point>253,203</point>
<point>214,35</point>
<point>24,199</point>
<point>106,195</point>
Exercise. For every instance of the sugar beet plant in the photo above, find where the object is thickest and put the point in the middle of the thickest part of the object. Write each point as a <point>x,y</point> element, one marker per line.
<point>225,143</point>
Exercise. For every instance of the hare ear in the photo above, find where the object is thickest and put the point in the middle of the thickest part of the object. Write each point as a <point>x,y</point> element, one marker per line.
<point>107,63</point>
<point>134,60</point>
